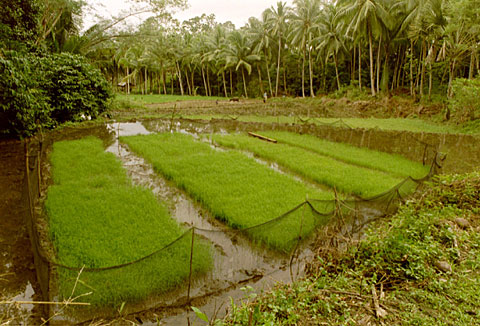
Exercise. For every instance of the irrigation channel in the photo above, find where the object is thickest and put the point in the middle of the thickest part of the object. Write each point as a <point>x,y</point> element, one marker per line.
<point>237,262</point>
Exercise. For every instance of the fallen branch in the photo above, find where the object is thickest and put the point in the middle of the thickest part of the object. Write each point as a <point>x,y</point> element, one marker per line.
<point>47,303</point>
<point>262,137</point>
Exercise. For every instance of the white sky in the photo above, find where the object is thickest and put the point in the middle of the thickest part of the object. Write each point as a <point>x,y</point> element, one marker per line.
<point>236,11</point>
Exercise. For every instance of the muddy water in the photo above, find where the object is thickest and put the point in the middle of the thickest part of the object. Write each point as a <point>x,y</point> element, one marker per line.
<point>236,262</point>
<point>17,272</point>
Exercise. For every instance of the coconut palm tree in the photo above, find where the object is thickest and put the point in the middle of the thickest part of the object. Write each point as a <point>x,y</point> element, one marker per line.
<point>277,21</point>
<point>304,22</point>
<point>364,17</point>
<point>239,54</point>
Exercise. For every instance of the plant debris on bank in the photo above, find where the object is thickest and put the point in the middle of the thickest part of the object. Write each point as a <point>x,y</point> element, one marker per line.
<point>418,267</point>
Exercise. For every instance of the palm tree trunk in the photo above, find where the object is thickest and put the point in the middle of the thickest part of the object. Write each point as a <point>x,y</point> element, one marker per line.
<point>360,65</point>
<point>146,81</point>
<point>244,82</point>
<point>336,69</point>
<point>260,79</point>
<point>284,78</point>
<point>179,73</point>
<point>422,74</point>
<point>208,83</point>
<point>372,78</point>
<point>303,72</point>
<point>268,75</point>
<point>352,73</point>
<point>278,64</point>
<point>231,83</point>
<point>164,81</point>
<point>192,82</point>
<point>430,82</point>
<point>204,81</point>
<point>412,88</point>
<point>378,62</point>
<point>128,82</point>
<point>310,71</point>
<point>224,83</point>
<point>471,68</point>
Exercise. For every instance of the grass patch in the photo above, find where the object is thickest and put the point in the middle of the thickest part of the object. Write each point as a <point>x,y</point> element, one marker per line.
<point>98,219</point>
<point>394,124</point>
<point>233,187</point>
<point>394,164</point>
<point>155,98</point>
<point>346,178</point>
<point>398,257</point>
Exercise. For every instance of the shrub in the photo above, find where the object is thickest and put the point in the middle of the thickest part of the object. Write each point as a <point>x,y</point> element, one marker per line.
<point>464,105</point>
<point>44,91</point>
<point>24,105</point>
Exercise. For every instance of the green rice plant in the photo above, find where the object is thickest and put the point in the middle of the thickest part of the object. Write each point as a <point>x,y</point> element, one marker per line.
<point>98,219</point>
<point>346,178</point>
<point>390,163</point>
<point>234,188</point>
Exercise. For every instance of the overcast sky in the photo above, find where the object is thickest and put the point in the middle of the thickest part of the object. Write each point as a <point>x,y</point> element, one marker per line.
<point>236,11</point>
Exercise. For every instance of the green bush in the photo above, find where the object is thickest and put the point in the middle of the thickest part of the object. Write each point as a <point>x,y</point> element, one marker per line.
<point>24,104</point>
<point>464,104</point>
<point>44,91</point>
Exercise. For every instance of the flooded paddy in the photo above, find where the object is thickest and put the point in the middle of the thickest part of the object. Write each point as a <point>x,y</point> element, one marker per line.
<point>237,262</point>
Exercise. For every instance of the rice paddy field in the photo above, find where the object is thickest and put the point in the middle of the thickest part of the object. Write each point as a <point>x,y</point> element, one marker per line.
<point>233,187</point>
<point>98,220</point>
<point>348,178</point>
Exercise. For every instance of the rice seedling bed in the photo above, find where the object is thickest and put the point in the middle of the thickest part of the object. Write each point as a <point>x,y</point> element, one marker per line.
<point>98,219</point>
<point>394,164</point>
<point>346,178</point>
<point>233,187</point>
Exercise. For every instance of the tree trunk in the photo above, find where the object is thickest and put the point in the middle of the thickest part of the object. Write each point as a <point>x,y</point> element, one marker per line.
<point>430,82</point>
<point>412,88</point>
<point>336,69</point>
<point>284,78</point>
<point>451,76</point>
<point>260,79</point>
<point>204,81</point>
<point>128,81</point>
<point>188,81</point>
<point>372,78</point>
<point>179,73</point>
<point>310,71</point>
<point>192,82</point>
<point>354,57</point>
<point>224,83</point>
<point>278,64</point>
<point>171,84</point>
<point>268,75</point>
<point>244,82</point>
<point>422,74</point>
<point>303,72</point>
<point>208,83</point>
<point>231,83</point>
<point>360,66</point>
<point>146,81</point>
<point>378,63</point>
<point>471,68</point>
<point>164,81</point>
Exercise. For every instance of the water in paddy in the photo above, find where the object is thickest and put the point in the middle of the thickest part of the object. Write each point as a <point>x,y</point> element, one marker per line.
<point>237,263</point>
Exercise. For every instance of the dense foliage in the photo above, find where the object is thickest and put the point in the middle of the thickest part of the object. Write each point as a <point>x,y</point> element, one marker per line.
<point>19,23</point>
<point>464,104</point>
<point>44,91</point>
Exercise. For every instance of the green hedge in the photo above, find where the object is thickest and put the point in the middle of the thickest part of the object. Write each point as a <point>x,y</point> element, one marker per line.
<point>44,91</point>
